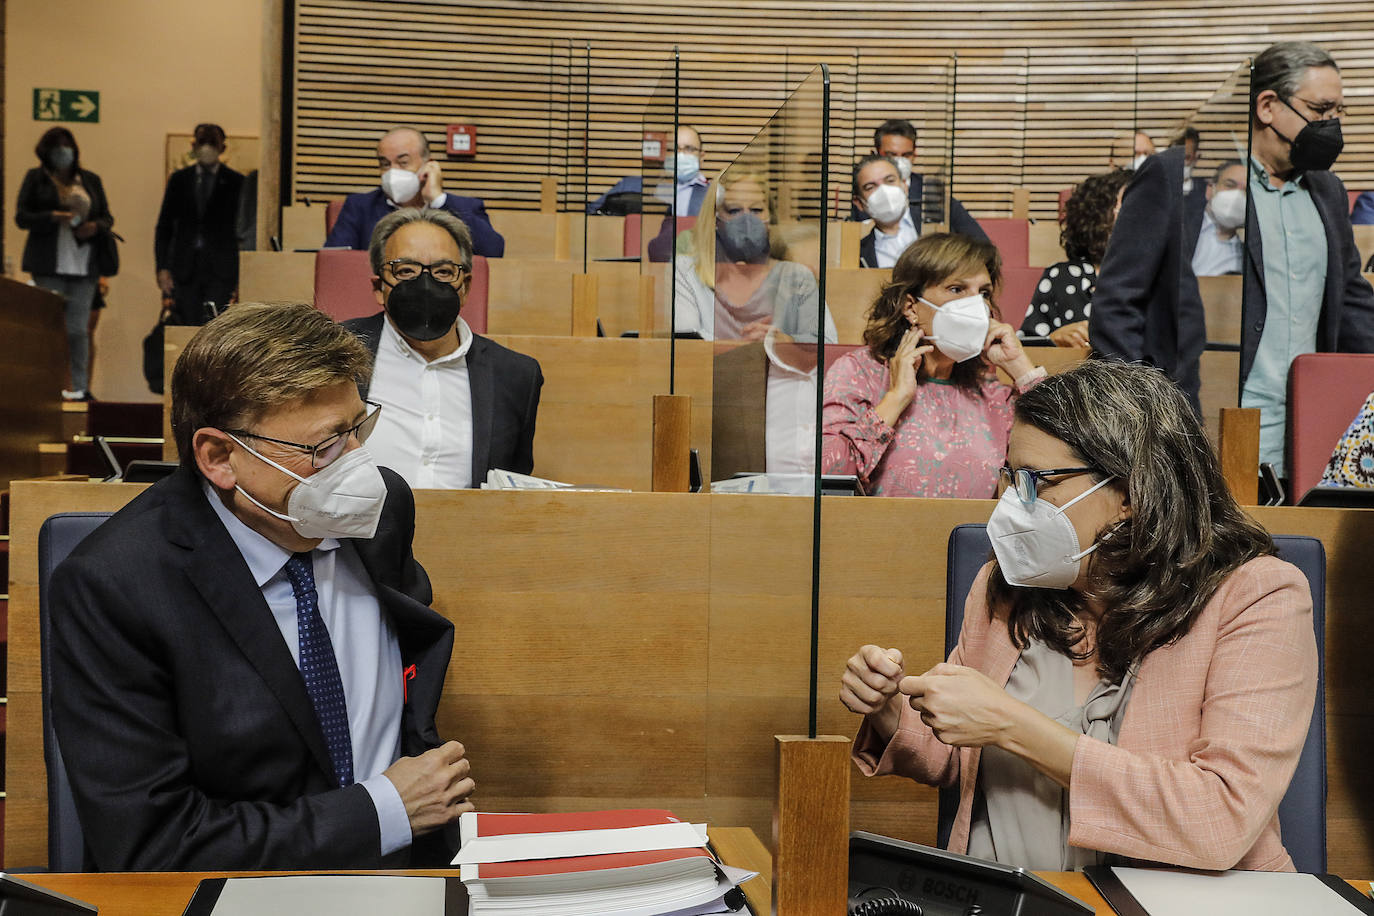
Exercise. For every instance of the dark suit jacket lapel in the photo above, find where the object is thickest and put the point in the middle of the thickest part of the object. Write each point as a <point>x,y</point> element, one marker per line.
<point>482,384</point>
<point>217,570</point>
<point>1333,293</point>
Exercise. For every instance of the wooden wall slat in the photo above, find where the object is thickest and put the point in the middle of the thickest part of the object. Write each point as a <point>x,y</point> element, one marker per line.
<point>1044,88</point>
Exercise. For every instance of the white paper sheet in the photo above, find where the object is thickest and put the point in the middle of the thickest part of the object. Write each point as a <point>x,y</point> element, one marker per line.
<point>522,847</point>
<point>1233,893</point>
<point>331,895</point>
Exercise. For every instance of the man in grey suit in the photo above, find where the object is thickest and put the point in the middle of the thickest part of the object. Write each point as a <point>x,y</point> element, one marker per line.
<point>245,670</point>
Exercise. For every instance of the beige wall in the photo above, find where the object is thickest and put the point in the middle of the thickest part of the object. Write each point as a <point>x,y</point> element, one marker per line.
<point>160,67</point>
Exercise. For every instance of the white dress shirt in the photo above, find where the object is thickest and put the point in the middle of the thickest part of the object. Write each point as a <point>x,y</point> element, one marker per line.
<point>365,646</point>
<point>436,204</point>
<point>789,416</point>
<point>888,248</point>
<point>1213,256</point>
<point>425,430</point>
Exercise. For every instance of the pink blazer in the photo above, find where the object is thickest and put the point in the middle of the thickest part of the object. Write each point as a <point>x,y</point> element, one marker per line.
<point>1210,739</point>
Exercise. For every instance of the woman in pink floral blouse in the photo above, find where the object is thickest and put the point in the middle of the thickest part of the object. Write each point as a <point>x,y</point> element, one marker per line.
<point>919,411</point>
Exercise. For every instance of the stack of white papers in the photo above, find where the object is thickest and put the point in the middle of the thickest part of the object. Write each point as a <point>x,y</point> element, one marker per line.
<point>498,479</point>
<point>586,865</point>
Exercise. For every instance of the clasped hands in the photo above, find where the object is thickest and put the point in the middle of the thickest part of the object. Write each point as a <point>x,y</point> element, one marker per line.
<point>962,706</point>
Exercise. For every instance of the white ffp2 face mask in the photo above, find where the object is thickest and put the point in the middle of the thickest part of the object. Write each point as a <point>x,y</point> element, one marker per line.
<point>343,500</point>
<point>1228,208</point>
<point>960,328</point>
<point>903,167</point>
<point>1036,546</point>
<point>887,203</point>
<point>400,185</point>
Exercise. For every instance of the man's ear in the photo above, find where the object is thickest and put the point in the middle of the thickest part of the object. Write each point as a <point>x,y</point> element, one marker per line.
<point>377,290</point>
<point>1264,105</point>
<point>464,287</point>
<point>212,448</point>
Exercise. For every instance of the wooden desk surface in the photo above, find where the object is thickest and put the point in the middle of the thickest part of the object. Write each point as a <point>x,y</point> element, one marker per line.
<point>167,893</point>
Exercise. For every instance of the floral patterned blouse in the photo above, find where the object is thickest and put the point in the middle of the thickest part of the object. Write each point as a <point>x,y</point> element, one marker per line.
<point>1352,464</point>
<point>949,442</point>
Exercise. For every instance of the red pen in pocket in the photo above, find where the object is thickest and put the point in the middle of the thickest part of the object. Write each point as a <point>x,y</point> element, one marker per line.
<point>407,675</point>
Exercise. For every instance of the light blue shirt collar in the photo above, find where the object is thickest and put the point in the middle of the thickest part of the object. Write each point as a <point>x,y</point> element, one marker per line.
<point>264,558</point>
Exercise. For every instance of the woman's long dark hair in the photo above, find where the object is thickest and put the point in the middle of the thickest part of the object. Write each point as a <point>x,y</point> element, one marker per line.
<point>929,261</point>
<point>1154,572</point>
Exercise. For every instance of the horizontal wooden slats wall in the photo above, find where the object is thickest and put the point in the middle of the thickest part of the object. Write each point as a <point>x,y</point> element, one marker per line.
<point>1044,89</point>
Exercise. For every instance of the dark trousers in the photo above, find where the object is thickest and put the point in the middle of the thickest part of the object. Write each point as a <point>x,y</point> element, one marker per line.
<point>192,295</point>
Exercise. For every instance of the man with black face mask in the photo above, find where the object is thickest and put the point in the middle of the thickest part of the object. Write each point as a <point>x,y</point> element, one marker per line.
<point>456,405</point>
<point>1303,288</point>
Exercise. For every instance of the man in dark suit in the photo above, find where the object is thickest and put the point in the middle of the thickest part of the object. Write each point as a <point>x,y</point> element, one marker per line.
<point>1146,304</point>
<point>245,672</point>
<point>410,179</point>
<point>457,405</point>
<point>197,248</point>
<point>896,139</point>
<point>879,190</point>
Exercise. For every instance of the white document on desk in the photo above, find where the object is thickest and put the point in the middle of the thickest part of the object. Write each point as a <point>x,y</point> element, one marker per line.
<point>1233,893</point>
<point>331,895</point>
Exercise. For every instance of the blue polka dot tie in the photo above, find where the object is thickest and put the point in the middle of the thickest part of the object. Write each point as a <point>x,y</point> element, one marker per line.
<point>320,668</point>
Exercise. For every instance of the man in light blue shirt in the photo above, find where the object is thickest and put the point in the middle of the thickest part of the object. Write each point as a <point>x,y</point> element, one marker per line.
<point>245,669</point>
<point>1303,292</point>
<point>1219,247</point>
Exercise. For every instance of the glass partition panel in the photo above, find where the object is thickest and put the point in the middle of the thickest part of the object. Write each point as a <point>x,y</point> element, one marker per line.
<point>667,186</point>
<point>1076,127</point>
<point>752,281</point>
<point>910,96</point>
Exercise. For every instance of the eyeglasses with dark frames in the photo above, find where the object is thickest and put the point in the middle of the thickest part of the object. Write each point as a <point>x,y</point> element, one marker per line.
<point>406,269</point>
<point>1026,481</point>
<point>324,452</point>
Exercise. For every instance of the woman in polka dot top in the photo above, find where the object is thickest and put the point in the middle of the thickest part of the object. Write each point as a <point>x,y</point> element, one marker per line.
<point>1063,300</point>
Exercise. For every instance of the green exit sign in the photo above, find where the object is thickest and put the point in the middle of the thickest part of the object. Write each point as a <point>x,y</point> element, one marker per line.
<point>66,105</point>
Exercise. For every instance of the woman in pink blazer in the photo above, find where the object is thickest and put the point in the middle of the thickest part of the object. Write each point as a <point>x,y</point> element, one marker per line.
<point>1136,670</point>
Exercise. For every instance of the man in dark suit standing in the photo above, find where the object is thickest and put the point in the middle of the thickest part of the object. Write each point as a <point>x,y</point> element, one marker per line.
<point>409,178</point>
<point>1146,305</point>
<point>197,249</point>
<point>245,672</point>
<point>457,405</point>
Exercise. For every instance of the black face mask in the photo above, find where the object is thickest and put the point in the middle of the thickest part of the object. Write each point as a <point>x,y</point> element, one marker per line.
<point>742,238</point>
<point>1317,145</point>
<point>423,308</point>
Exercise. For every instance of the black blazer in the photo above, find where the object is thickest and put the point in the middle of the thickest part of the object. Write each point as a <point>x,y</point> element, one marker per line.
<point>361,212</point>
<point>1346,324</point>
<point>180,222</point>
<point>33,211</point>
<point>1146,304</point>
<point>505,400</point>
<point>187,731</point>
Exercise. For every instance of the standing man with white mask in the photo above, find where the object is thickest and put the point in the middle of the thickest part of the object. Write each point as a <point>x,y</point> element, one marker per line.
<point>245,670</point>
<point>880,192</point>
<point>409,178</point>
<point>1219,247</point>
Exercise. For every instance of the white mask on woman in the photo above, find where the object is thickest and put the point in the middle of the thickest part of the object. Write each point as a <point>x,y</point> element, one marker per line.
<point>342,500</point>
<point>887,203</point>
<point>1036,546</point>
<point>960,328</point>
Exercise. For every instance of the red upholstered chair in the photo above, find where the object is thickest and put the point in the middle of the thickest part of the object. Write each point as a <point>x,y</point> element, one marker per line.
<point>475,305</point>
<point>331,215</point>
<point>631,242</point>
<point>1018,285</point>
<point>1325,392</point>
<point>1012,238</point>
<point>343,284</point>
<point>1064,196</point>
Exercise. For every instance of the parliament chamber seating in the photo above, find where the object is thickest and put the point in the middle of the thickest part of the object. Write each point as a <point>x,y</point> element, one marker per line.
<point>1325,392</point>
<point>1012,238</point>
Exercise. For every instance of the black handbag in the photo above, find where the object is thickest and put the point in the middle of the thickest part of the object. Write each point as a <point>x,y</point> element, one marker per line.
<point>107,252</point>
<point>154,354</point>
